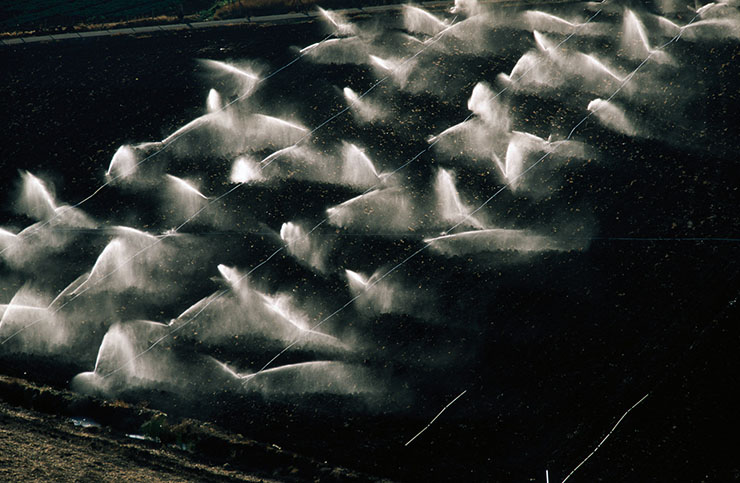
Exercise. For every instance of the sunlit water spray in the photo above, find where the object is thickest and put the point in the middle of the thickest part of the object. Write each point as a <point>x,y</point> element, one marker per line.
<point>127,262</point>
<point>245,170</point>
<point>329,377</point>
<point>612,116</point>
<point>122,363</point>
<point>220,119</point>
<point>277,123</point>
<point>492,240</point>
<point>397,69</point>
<point>36,199</point>
<point>466,7</point>
<point>484,103</point>
<point>450,207</point>
<point>28,315</point>
<point>362,109</point>
<point>378,296</point>
<point>635,43</point>
<point>380,209</point>
<point>183,198</point>
<point>214,103</point>
<point>547,22</point>
<point>357,168</point>
<point>338,23</point>
<point>418,20</point>
<point>123,164</point>
<point>281,306</point>
<point>306,249</point>
<point>246,79</point>
<point>345,50</point>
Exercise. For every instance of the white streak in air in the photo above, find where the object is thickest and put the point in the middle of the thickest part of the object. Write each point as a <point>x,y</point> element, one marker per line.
<point>450,130</point>
<point>538,20</point>
<point>418,20</point>
<point>231,69</point>
<point>274,304</point>
<point>356,281</point>
<point>214,102</point>
<point>382,63</point>
<point>357,168</point>
<point>339,24</point>
<point>450,207</point>
<point>289,367</point>
<point>275,121</point>
<point>436,417</point>
<point>605,437</point>
<point>185,186</point>
<point>280,152</point>
<point>229,274</point>
<point>612,116</point>
<point>245,170</point>
<point>312,46</point>
<point>36,200</point>
<point>123,163</point>
<point>492,240</point>
<point>543,43</point>
<point>635,41</point>
<point>601,67</point>
<point>192,125</point>
<point>361,108</point>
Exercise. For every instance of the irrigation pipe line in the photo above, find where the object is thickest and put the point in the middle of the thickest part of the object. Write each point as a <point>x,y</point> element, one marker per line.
<point>435,417</point>
<point>233,233</point>
<point>436,38</point>
<point>605,437</point>
<point>495,194</point>
<point>424,246</point>
<point>353,299</point>
<point>159,239</point>
<point>283,247</point>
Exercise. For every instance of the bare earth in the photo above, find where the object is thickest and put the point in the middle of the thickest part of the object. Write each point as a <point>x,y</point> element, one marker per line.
<point>38,447</point>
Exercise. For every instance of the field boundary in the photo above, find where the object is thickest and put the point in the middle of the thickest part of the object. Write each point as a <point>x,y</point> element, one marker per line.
<point>292,17</point>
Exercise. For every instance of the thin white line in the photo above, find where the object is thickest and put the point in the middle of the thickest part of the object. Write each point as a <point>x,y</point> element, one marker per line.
<point>605,437</point>
<point>435,417</point>
<point>223,195</point>
<point>166,145</point>
<point>426,245</point>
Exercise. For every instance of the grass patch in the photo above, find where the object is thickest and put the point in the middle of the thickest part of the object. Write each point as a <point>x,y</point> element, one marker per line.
<point>247,8</point>
<point>57,15</point>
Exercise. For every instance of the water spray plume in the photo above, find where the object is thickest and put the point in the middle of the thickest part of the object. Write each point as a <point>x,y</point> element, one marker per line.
<point>357,168</point>
<point>123,164</point>
<point>612,116</point>
<point>214,102</point>
<point>338,23</point>
<point>245,170</point>
<point>418,20</point>
<point>450,207</point>
<point>36,200</point>
<point>635,42</point>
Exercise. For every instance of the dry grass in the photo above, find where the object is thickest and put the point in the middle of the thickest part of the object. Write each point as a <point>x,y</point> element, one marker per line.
<point>244,8</point>
<point>86,27</point>
<point>139,22</point>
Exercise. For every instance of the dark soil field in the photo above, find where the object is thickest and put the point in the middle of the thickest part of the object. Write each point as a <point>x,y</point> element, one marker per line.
<point>552,347</point>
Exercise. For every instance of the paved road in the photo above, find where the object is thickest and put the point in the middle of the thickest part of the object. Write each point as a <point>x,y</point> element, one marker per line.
<point>282,18</point>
